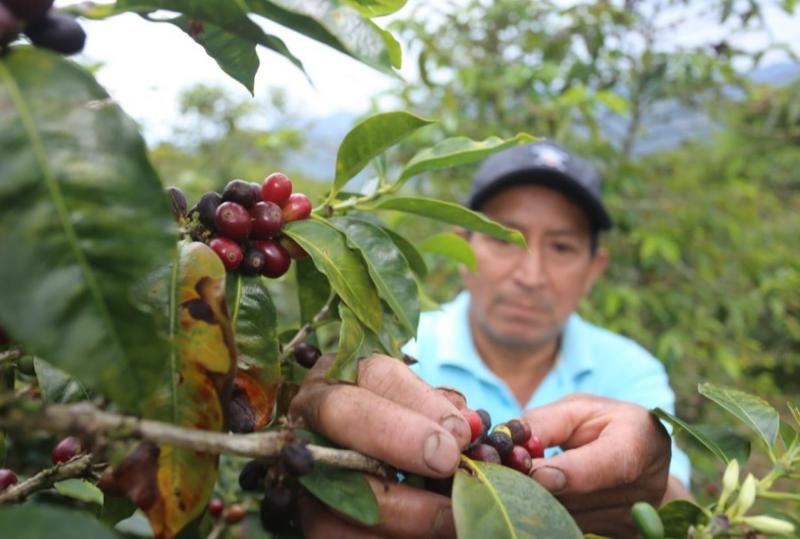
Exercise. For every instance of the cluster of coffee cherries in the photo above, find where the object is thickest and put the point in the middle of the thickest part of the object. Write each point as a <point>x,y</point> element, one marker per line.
<point>62,452</point>
<point>510,443</point>
<point>275,483</point>
<point>243,225</point>
<point>45,28</point>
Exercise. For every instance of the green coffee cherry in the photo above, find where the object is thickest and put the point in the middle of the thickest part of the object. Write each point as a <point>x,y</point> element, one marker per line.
<point>647,521</point>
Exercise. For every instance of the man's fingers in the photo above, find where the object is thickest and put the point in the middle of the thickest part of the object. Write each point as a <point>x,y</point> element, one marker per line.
<point>609,522</point>
<point>567,422</point>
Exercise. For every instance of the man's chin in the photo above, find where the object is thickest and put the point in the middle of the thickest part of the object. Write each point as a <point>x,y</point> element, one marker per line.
<point>522,340</point>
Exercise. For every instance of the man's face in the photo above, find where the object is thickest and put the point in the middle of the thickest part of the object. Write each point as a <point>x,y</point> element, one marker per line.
<point>522,298</point>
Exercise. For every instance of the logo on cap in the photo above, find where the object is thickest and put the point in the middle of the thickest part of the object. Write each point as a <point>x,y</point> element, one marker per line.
<point>549,156</point>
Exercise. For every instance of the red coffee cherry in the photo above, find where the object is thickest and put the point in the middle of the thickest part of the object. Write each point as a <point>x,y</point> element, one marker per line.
<point>298,207</point>
<point>228,251</point>
<point>276,188</point>
<point>65,450</point>
<point>7,478</point>
<point>534,447</point>
<point>484,453</point>
<point>475,423</point>
<point>267,220</point>
<point>235,513</point>
<point>277,260</point>
<point>519,459</point>
<point>215,507</point>
<point>233,221</point>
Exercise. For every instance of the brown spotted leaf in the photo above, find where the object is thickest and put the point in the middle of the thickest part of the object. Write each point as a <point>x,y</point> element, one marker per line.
<point>172,485</point>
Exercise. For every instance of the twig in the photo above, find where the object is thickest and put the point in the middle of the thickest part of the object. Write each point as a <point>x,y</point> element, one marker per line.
<point>303,332</point>
<point>79,466</point>
<point>83,418</point>
<point>218,529</point>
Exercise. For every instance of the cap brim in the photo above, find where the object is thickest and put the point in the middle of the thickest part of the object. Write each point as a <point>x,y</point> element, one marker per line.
<point>553,179</point>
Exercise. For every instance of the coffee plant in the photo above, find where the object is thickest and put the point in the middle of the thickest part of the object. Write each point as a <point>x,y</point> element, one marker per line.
<point>138,333</point>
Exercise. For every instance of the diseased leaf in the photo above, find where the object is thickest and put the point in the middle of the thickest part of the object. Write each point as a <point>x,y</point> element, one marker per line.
<point>449,212</point>
<point>753,411</point>
<point>457,151</point>
<point>490,500</point>
<point>451,245</point>
<point>102,222</point>
<point>387,267</point>
<point>343,266</point>
<point>721,441</point>
<point>346,491</point>
<point>369,138</point>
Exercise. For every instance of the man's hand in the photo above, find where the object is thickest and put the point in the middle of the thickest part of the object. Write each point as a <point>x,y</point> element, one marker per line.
<point>615,453</point>
<point>391,415</point>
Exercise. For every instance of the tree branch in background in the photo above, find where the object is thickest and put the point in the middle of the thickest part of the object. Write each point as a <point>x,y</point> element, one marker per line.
<point>80,466</point>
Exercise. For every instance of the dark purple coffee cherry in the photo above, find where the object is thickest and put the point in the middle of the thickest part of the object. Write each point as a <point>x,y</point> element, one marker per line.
<point>233,221</point>
<point>207,209</point>
<point>519,434</point>
<point>519,459</point>
<point>28,9</point>
<point>306,354</point>
<point>253,476</point>
<point>10,26</point>
<point>486,419</point>
<point>241,192</point>
<point>500,441</point>
<point>177,201</point>
<point>58,32</point>
<point>65,450</point>
<point>253,263</point>
<point>296,459</point>
<point>241,418</point>
<point>276,508</point>
<point>484,453</point>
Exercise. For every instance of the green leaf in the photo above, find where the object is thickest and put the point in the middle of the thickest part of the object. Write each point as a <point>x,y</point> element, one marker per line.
<point>349,348</point>
<point>369,138</point>
<point>56,385</point>
<point>414,259</point>
<point>85,219</point>
<point>677,516</point>
<point>448,212</point>
<point>235,56</point>
<point>495,501</point>
<point>224,14</point>
<point>256,325</point>
<point>753,411</point>
<point>451,245</point>
<point>387,267</point>
<point>335,24</point>
<point>343,266</point>
<point>313,289</point>
<point>457,151</point>
<point>376,8</point>
<point>34,521</point>
<point>80,489</point>
<point>346,491</point>
<point>789,434</point>
<point>721,441</point>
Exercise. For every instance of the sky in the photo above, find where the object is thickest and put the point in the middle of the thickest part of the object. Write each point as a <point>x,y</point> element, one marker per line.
<point>146,65</point>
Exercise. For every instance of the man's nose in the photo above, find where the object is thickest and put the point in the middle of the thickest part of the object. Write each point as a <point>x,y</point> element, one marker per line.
<point>531,270</point>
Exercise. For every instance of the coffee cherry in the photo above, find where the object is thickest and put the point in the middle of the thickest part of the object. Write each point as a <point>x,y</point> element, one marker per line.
<point>65,450</point>
<point>485,418</point>
<point>235,513</point>
<point>7,478</point>
<point>296,459</point>
<point>276,507</point>
<point>519,459</point>
<point>518,432</point>
<point>293,248</point>
<point>215,507</point>
<point>276,188</point>
<point>485,453</point>
<point>28,9</point>
<point>177,202</point>
<point>58,32</point>
<point>10,26</point>
<point>228,251</point>
<point>534,447</point>
<point>253,476</point>
<point>207,209</point>
<point>241,418</point>
<point>306,354</point>
<point>253,263</point>
<point>502,428</point>
<point>297,207</point>
<point>475,423</point>
<point>277,259</point>
<point>500,441</point>
<point>267,220</point>
<point>233,221</point>
<point>240,192</point>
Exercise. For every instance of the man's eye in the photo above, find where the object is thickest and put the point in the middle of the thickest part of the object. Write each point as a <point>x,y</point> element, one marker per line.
<point>564,247</point>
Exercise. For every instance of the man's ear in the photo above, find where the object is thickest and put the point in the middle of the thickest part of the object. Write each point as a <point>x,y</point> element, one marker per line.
<point>597,266</point>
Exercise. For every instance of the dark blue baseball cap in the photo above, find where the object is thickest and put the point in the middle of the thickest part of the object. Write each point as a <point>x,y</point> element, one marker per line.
<point>543,163</point>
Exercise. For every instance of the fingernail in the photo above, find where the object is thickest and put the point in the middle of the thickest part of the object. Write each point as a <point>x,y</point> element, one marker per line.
<point>443,524</point>
<point>550,478</point>
<point>440,453</point>
<point>456,397</point>
<point>457,426</point>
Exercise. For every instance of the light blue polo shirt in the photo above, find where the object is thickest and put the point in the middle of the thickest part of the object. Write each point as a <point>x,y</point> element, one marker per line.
<point>591,360</point>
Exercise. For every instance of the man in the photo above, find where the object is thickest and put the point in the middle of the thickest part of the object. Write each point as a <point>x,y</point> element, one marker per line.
<point>512,344</point>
